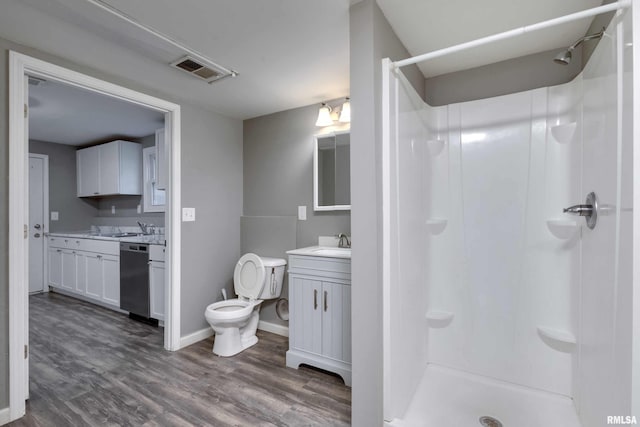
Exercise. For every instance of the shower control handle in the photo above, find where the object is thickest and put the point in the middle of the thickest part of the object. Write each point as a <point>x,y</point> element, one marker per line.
<point>589,210</point>
<point>581,210</point>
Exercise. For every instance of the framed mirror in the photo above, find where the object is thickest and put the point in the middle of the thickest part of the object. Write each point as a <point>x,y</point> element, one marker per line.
<point>331,172</point>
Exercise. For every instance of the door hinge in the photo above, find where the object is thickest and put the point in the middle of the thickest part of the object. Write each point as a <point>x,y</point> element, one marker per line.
<point>26,231</point>
<point>26,351</point>
<point>26,111</point>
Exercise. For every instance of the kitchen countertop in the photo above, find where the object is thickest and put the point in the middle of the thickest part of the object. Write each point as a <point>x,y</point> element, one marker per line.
<point>152,239</point>
<point>323,251</point>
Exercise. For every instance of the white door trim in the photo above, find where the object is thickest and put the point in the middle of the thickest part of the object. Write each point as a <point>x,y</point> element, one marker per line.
<point>19,65</point>
<point>45,219</point>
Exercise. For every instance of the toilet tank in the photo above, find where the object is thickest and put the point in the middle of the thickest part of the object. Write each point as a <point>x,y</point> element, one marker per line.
<point>274,275</point>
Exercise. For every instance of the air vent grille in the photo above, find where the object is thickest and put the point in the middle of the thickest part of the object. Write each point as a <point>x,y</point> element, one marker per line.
<point>208,73</point>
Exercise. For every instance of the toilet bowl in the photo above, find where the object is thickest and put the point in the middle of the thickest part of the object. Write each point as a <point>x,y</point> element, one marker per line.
<point>235,321</point>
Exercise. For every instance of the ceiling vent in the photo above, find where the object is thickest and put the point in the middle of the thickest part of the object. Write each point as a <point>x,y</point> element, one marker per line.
<point>207,73</point>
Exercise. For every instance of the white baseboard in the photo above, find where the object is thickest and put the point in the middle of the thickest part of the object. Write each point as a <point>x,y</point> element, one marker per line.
<point>5,416</point>
<point>194,337</point>
<point>273,328</point>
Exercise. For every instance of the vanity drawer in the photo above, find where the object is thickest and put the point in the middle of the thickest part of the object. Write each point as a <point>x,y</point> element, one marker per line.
<point>337,268</point>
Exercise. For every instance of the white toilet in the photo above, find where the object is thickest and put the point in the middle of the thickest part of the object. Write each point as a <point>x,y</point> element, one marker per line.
<point>235,321</point>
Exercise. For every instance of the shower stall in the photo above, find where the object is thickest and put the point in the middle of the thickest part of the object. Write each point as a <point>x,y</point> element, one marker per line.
<point>500,308</point>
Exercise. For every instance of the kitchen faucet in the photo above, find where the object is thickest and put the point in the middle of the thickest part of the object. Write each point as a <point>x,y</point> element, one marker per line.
<point>341,243</point>
<point>145,227</point>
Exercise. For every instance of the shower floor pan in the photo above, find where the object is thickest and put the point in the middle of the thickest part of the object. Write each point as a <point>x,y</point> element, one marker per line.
<point>447,397</point>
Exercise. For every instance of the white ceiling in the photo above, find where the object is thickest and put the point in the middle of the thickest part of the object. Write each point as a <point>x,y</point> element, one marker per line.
<point>68,115</point>
<point>288,53</point>
<point>427,25</point>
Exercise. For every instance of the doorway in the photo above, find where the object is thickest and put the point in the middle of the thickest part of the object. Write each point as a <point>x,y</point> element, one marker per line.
<point>19,209</point>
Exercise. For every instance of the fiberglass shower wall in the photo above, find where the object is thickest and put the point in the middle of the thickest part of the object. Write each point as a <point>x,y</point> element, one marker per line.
<point>485,274</point>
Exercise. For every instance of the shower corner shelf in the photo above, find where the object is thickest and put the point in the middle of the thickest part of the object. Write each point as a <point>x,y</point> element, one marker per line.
<point>557,336</point>
<point>439,319</point>
<point>564,133</point>
<point>436,225</point>
<point>563,228</point>
<point>435,146</point>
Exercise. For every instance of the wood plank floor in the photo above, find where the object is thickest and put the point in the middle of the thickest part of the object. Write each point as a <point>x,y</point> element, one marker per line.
<point>92,366</point>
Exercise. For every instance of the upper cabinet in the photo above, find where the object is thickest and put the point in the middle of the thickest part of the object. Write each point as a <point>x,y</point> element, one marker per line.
<point>331,172</point>
<point>110,169</point>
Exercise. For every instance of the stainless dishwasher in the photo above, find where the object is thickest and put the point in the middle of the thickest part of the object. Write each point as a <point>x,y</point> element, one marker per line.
<point>134,279</point>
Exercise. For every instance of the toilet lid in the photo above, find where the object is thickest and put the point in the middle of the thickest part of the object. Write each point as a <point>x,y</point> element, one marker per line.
<point>248,276</point>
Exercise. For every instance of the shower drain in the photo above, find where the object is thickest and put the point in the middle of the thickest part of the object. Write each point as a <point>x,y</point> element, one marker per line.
<point>489,422</point>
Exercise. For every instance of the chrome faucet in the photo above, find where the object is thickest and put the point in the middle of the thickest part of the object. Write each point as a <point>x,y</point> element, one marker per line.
<point>343,238</point>
<point>146,227</point>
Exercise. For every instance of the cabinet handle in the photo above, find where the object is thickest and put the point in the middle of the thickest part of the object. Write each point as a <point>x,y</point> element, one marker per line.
<point>96,192</point>
<point>325,301</point>
<point>59,250</point>
<point>315,299</point>
<point>99,257</point>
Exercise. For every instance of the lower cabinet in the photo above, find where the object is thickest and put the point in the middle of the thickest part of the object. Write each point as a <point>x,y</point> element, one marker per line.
<point>320,315</point>
<point>156,289</point>
<point>90,274</point>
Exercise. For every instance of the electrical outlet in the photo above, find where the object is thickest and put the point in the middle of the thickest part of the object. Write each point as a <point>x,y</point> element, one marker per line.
<point>113,210</point>
<point>188,214</point>
<point>139,209</point>
<point>54,216</point>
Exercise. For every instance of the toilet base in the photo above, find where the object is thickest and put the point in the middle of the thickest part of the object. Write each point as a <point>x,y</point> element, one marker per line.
<point>229,341</point>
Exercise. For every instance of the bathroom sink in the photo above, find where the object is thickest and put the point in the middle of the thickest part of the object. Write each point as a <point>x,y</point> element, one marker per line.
<point>333,252</point>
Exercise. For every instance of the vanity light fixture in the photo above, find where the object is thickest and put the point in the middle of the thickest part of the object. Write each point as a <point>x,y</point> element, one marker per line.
<point>327,115</point>
<point>324,116</point>
<point>345,114</point>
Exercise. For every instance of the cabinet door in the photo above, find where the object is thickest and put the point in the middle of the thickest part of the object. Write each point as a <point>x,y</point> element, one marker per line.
<point>156,285</point>
<point>305,301</point>
<point>336,321</point>
<point>161,156</point>
<point>68,281</point>
<point>87,172</point>
<point>109,169</point>
<point>81,272</point>
<point>111,279</point>
<point>55,267</point>
<point>93,271</point>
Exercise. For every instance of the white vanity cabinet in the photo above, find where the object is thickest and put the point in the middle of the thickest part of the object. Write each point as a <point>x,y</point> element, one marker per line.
<point>86,267</point>
<point>108,169</point>
<point>156,281</point>
<point>320,314</point>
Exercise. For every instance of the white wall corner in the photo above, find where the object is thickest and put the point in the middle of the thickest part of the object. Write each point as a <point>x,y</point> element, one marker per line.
<point>5,416</point>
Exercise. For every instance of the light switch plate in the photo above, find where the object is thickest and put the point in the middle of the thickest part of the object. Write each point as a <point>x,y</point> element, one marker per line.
<point>188,214</point>
<point>54,216</point>
<point>302,213</point>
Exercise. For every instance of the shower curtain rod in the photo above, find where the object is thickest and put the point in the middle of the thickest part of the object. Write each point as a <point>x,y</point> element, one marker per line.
<point>620,4</point>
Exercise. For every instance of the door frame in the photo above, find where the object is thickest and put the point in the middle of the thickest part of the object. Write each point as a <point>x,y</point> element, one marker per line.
<point>45,221</point>
<point>21,65</point>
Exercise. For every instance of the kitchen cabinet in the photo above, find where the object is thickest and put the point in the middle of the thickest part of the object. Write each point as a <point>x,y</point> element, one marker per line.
<point>161,160</point>
<point>320,314</point>
<point>86,267</point>
<point>156,281</point>
<point>109,169</point>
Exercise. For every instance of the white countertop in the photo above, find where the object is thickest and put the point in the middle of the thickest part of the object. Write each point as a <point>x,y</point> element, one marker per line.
<point>323,251</point>
<point>152,239</point>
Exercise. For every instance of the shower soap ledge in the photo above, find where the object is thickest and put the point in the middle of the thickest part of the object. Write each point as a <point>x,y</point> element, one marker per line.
<point>435,146</point>
<point>564,133</point>
<point>436,225</point>
<point>557,335</point>
<point>563,228</point>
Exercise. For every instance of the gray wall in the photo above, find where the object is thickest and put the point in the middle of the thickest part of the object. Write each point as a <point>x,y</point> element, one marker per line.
<point>371,40</point>
<point>278,177</point>
<point>75,213</point>
<point>501,78</point>
<point>211,182</point>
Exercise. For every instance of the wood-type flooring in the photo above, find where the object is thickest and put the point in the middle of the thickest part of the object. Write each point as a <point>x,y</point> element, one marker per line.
<point>90,366</point>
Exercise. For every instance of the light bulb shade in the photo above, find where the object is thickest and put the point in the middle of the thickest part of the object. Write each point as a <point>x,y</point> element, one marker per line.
<point>345,114</point>
<point>324,116</point>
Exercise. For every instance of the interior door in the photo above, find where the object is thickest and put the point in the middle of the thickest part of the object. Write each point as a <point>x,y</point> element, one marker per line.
<point>38,189</point>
